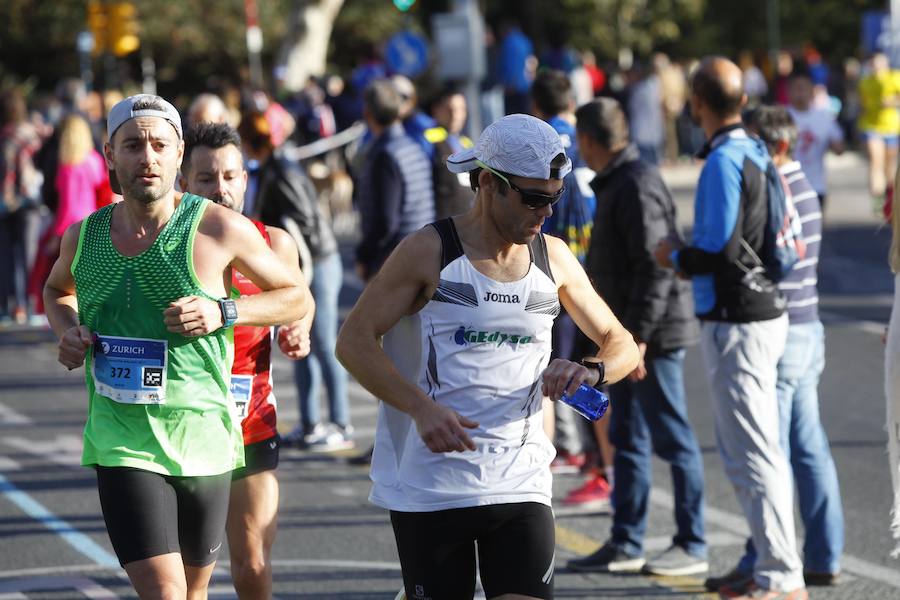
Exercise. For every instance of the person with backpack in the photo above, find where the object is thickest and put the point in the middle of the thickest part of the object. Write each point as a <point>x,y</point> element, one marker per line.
<point>801,365</point>
<point>734,263</point>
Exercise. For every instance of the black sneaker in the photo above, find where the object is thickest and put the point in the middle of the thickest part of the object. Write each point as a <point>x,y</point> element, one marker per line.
<point>296,438</point>
<point>731,578</point>
<point>821,579</point>
<point>608,559</point>
<point>362,460</point>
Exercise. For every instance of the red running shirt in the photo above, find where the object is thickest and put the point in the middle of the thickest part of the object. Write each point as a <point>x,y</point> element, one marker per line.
<point>251,373</point>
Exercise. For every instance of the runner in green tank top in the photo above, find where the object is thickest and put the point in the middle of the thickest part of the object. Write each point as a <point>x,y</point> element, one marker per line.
<point>139,296</point>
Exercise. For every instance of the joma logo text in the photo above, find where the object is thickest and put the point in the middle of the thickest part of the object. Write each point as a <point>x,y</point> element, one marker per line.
<point>505,298</point>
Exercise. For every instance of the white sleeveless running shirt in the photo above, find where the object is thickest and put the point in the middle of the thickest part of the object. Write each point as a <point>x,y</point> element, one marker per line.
<point>478,346</point>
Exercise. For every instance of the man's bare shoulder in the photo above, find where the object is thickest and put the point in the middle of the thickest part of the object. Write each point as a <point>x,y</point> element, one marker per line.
<point>558,250</point>
<point>562,261</point>
<point>422,248</point>
<point>68,245</point>
<point>417,258</point>
<point>283,244</point>
<point>555,245</point>
<point>279,237</point>
<point>222,223</point>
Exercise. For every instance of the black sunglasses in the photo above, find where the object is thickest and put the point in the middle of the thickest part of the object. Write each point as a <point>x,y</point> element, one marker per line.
<point>531,199</point>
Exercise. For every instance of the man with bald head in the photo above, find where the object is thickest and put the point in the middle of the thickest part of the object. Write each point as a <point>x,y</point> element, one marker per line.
<point>207,108</point>
<point>744,329</point>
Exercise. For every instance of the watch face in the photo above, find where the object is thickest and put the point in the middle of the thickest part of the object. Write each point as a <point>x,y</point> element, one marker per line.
<point>230,310</point>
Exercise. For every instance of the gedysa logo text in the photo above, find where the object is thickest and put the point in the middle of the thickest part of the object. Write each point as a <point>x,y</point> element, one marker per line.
<point>465,336</point>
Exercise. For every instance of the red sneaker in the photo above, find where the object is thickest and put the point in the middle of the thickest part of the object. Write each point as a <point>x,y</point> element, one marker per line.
<point>593,494</point>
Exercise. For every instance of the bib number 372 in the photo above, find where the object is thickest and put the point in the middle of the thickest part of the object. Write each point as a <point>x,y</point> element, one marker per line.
<point>130,370</point>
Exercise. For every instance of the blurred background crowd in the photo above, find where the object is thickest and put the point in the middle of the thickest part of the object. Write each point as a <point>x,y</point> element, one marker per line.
<point>317,89</point>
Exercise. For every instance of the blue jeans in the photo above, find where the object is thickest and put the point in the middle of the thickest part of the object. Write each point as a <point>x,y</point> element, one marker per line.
<point>328,274</point>
<point>651,414</point>
<point>805,443</point>
<point>651,153</point>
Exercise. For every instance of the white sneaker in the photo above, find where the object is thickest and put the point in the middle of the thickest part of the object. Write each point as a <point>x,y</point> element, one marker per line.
<point>675,561</point>
<point>329,438</point>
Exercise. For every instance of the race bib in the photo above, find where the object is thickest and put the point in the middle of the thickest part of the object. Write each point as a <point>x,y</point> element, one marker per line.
<point>130,370</point>
<point>241,387</point>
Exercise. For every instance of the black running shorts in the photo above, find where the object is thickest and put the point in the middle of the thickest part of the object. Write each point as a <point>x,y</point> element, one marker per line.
<point>515,548</point>
<point>259,457</point>
<point>148,514</point>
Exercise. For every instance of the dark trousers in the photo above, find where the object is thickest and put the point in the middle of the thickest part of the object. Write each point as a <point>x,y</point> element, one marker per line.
<point>651,415</point>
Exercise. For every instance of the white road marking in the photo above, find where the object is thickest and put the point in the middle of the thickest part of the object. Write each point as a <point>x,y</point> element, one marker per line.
<point>12,590</point>
<point>344,492</point>
<point>9,464</point>
<point>833,318</point>
<point>63,450</point>
<point>10,416</point>
<point>714,539</point>
<point>40,513</point>
<point>738,526</point>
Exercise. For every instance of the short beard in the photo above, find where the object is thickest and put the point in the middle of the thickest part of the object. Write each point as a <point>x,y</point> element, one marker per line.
<point>145,195</point>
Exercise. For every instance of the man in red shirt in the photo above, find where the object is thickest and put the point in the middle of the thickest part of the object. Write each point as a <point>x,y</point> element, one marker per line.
<point>213,167</point>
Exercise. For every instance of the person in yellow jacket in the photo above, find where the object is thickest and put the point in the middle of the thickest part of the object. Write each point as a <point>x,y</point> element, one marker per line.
<point>879,124</point>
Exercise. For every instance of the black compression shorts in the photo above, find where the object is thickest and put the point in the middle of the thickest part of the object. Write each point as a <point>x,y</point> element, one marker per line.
<point>259,457</point>
<point>148,514</point>
<point>516,545</point>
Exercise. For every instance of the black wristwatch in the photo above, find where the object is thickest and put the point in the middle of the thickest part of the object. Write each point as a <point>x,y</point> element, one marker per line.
<point>229,311</point>
<point>596,364</point>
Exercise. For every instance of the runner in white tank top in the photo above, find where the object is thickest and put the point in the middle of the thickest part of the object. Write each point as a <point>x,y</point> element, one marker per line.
<point>479,347</point>
<point>464,309</point>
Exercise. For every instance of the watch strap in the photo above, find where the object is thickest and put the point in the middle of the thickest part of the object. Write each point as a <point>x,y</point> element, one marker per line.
<point>229,311</point>
<point>597,365</point>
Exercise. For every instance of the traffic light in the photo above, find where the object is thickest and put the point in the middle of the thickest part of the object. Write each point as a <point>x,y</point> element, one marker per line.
<point>404,5</point>
<point>96,21</point>
<point>123,28</point>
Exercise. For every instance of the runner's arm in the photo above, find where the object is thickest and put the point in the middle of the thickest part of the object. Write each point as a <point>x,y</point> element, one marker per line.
<point>401,287</point>
<point>234,239</point>
<point>61,304</point>
<point>293,338</point>
<point>594,318</point>
<point>285,297</point>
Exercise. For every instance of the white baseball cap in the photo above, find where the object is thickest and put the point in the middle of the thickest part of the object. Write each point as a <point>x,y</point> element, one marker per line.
<point>125,111</point>
<point>519,145</point>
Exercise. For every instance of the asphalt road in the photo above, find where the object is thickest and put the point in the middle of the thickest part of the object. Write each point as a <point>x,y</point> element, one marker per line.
<point>333,544</point>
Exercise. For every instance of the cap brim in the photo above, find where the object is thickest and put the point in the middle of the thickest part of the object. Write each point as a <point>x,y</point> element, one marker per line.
<point>462,161</point>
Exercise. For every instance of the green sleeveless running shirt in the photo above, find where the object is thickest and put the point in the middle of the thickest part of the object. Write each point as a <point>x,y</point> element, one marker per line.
<point>183,423</point>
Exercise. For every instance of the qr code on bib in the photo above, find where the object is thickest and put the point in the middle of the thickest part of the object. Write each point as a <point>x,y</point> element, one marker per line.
<point>153,376</point>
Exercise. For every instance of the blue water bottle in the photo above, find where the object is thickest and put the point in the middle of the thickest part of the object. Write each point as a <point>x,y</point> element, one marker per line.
<point>590,403</point>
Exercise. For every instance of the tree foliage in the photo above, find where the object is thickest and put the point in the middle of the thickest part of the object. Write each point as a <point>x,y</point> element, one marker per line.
<point>832,26</point>
<point>195,42</point>
<point>190,41</point>
<point>363,25</point>
<point>606,26</point>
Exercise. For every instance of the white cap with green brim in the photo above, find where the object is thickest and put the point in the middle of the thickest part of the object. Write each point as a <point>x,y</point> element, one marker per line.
<point>519,145</point>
